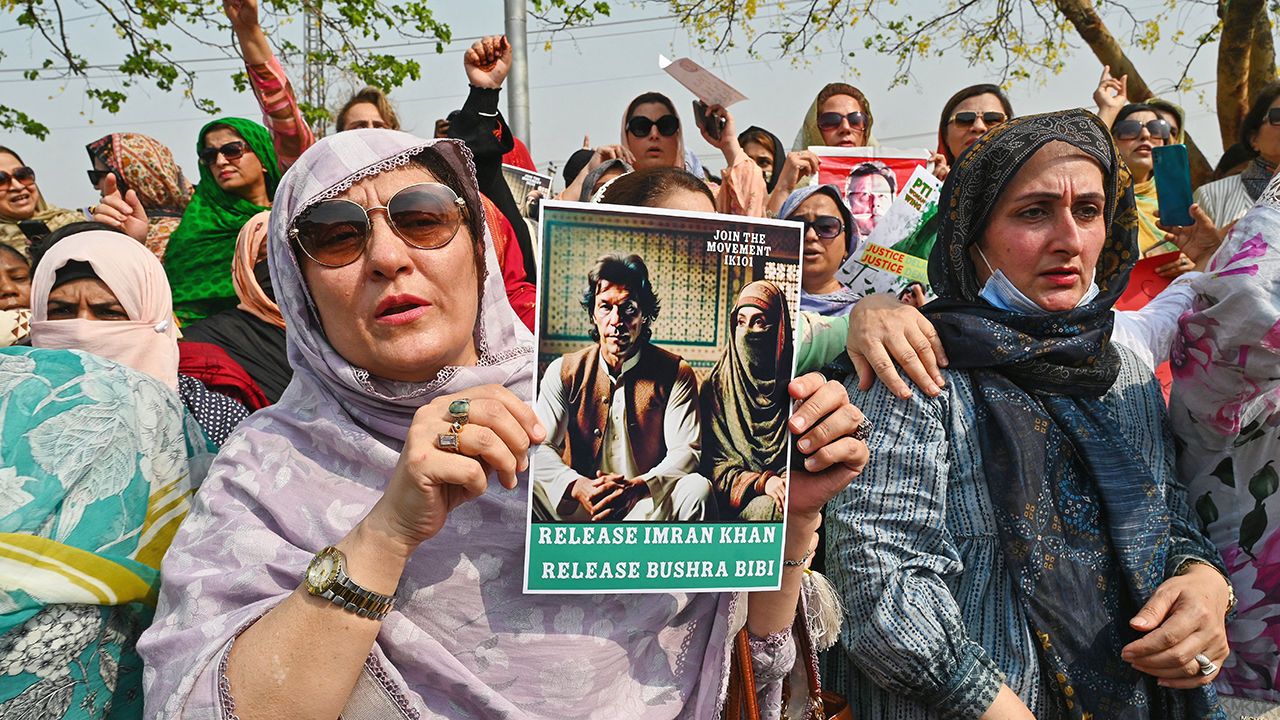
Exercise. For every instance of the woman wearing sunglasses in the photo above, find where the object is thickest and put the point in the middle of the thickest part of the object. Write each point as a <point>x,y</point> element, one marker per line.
<point>653,137</point>
<point>828,240</point>
<point>1137,129</point>
<point>129,161</point>
<point>966,116</point>
<point>21,200</point>
<point>238,176</point>
<point>839,116</point>
<point>411,388</point>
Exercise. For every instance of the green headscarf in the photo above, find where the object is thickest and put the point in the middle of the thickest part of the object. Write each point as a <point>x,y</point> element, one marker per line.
<point>198,259</point>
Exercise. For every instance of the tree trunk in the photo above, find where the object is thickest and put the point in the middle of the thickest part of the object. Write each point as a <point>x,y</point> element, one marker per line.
<point>1262,55</point>
<point>1094,32</point>
<point>1239,19</point>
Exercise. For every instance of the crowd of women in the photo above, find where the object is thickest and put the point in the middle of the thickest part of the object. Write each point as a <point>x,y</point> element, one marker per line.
<point>223,495</point>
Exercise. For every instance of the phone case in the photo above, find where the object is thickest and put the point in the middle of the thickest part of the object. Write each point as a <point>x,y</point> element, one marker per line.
<point>1173,184</point>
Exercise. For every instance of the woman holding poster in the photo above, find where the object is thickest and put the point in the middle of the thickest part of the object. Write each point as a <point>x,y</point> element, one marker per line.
<point>351,552</point>
<point>1021,548</point>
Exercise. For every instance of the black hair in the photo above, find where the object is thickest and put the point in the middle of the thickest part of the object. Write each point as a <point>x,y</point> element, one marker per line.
<point>961,96</point>
<point>574,165</point>
<point>631,273</point>
<point>873,167</point>
<point>1257,115</point>
<point>1232,160</point>
<point>646,188</point>
<point>38,249</point>
<point>16,253</point>
<point>650,97</point>
<point>1132,108</point>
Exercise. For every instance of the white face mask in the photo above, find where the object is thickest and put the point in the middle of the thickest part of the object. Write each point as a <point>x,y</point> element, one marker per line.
<point>1000,292</point>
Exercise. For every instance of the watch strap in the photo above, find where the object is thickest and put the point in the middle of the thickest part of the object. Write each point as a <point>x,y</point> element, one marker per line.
<point>348,595</point>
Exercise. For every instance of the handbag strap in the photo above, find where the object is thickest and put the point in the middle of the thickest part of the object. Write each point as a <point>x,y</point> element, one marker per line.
<point>742,703</point>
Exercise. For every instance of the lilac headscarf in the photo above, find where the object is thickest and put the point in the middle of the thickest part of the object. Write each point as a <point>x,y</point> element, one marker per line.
<point>463,641</point>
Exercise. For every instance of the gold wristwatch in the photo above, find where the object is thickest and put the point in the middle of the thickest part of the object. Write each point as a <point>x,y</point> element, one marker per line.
<point>326,578</point>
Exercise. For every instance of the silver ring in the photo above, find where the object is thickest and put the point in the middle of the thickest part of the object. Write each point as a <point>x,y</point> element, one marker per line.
<point>1207,666</point>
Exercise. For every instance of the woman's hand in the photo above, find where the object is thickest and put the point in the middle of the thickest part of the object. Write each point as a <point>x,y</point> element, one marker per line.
<point>1185,617</point>
<point>727,143</point>
<point>124,214</point>
<point>243,14</point>
<point>428,482</point>
<point>1111,95</point>
<point>798,166</point>
<point>883,331</point>
<point>776,488</point>
<point>1199,240</point>
<point>488,61</point>
<point>825,422</point>
<point>940,166</point>
<point>1181,264</point>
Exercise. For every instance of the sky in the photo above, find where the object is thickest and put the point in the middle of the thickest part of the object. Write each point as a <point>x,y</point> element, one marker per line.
<point>580,86</point>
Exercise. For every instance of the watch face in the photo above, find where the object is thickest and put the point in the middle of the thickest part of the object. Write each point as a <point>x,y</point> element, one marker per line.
<point>322,572</point>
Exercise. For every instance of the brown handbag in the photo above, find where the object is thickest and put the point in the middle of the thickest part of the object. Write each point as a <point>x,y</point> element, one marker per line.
<point>742,703</point>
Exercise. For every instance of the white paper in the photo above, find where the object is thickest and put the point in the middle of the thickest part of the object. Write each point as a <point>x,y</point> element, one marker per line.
<point>709,88</point>
<point>904,216</point>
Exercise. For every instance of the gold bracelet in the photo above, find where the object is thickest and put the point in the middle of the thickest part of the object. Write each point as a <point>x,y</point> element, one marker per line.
<point>1185,566</point>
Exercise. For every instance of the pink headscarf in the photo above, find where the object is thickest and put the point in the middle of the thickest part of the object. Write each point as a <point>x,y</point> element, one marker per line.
<point>148,340</point>
<point>248,244</point>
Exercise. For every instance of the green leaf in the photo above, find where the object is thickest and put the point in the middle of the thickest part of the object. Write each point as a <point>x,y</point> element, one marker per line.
<point>1224,472</point>
<point>1207,511</point>
<point>1264,483</point>
<point>1252,528</point>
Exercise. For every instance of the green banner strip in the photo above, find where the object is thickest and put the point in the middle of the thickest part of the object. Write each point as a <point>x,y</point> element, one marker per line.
<point>654,557</point>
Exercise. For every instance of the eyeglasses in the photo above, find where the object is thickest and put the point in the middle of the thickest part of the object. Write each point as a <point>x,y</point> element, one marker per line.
<point>24,175</point>
<point>1273,116</point>
<point>640,125</point>
<point>969,117</point>
<point>827,227</point>
<point>832,120</point>
<point>1132,129</point>
<point>231,151</point>
<point>334,233</point>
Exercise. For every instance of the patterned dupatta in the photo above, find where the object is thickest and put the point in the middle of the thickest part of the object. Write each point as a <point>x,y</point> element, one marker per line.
<point>1084,522</point>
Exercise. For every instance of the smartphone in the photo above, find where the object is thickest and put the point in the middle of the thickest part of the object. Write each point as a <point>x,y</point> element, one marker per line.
<point>1173,184</point>
<point>35,230</point>
<point>713,124</point>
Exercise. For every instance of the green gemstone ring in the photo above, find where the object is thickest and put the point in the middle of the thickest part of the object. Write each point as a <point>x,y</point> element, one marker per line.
<point>459,409</point>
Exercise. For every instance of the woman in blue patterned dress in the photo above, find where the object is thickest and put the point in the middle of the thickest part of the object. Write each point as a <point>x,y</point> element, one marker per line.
<point>1019,546</point>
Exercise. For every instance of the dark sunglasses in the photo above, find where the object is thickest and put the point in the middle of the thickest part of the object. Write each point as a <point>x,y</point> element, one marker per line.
<point>1132,129</point>
<point>640,125</point>
<point>1273,116</point>
<point>827,227</point>
<point>969,117</point>
<point>832,120</point>
<point>231,151</point>
<point>24,175</point>
<point>97,176</point>
<point>335,233</point>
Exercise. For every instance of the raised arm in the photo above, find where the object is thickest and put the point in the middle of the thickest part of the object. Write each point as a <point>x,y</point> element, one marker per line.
<point>280,111</point>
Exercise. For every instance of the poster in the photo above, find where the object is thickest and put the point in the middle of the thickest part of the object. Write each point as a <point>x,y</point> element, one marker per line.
<point>700,81</point>
<point>523,182</point>
<point>895,254</point>
<point>662,335</point>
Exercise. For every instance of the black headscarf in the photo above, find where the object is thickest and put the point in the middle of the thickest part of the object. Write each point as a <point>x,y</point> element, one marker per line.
<point>745,402</point>
<point>1084,526</point>
<point>759,134</point>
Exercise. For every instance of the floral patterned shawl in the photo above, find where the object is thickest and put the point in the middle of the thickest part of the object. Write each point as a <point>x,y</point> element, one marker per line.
<point>1225,410</point>
<point>97,463</point>
<point>146,166</point>
<point>463,641</point>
